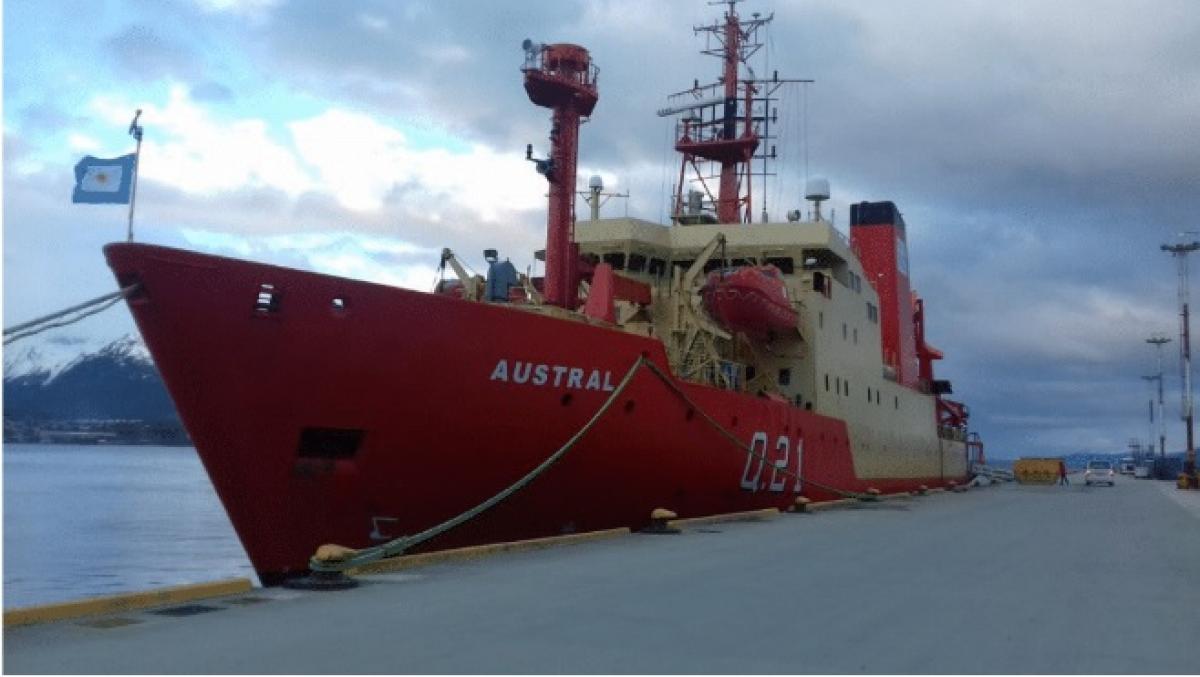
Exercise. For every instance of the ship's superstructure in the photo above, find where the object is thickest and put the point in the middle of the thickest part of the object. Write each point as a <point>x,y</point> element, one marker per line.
<point>856,349</point>
<point>710,365</point>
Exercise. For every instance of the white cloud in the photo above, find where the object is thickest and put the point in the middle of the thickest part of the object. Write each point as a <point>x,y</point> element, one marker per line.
<point>1063,324</point>
<point>351,157</point>
<point>253,9</point>
<point>361,160</point>
<point>374,22</point>
<point>444,55</point>
<point>352,255</point>
<point>82,143</point>
<point>187,148</point>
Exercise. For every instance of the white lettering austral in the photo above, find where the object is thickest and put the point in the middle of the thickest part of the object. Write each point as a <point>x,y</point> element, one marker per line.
<point>555,376</point>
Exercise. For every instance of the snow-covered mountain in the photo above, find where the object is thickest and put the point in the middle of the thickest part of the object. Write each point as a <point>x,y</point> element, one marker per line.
<point>74,379</point>
<point>43,360</point>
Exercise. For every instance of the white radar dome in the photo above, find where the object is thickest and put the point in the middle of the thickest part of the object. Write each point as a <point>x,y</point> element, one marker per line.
<point>817,189</point>
<point>596,183</point>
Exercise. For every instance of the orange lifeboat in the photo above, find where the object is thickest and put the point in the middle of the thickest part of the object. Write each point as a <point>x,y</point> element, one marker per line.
<point>751,300</point>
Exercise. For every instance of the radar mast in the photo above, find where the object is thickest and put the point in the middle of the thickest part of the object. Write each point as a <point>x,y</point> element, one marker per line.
<point>722,124</point>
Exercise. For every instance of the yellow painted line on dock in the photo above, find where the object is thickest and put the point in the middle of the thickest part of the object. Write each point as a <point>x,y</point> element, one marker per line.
<point>829,505</point>
<point>125,602</point>
<point>480,551</point>
<point>765,513</point>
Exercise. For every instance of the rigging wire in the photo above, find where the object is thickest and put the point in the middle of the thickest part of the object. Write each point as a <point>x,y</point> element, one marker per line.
<point>805,127</point>
<point>664,199</point>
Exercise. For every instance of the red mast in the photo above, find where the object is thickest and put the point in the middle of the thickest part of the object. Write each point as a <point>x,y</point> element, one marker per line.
<point>724,123</point>
<point>561,77</point>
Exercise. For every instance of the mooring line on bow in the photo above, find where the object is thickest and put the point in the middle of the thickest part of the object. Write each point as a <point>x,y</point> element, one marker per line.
<point>85,309</point>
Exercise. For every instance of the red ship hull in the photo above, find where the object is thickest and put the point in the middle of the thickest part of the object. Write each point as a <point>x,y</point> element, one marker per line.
<point>388,411</point>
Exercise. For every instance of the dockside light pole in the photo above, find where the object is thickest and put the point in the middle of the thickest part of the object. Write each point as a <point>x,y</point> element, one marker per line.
<point>1157,341</point>
<point>1180,252</point>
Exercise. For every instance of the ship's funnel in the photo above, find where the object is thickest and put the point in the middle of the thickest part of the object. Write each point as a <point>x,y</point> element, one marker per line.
<point>877,232</point>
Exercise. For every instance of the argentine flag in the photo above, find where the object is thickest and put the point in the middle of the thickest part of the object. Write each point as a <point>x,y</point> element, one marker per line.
<point>101,181</point>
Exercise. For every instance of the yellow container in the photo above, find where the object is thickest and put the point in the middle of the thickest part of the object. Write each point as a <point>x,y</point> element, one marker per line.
<point>1036,470</point>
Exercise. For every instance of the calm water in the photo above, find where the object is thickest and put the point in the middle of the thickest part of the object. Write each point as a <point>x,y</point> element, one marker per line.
<point>81,521</point>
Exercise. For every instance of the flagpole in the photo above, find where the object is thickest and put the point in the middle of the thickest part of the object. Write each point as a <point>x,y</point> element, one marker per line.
<point>135,130</point>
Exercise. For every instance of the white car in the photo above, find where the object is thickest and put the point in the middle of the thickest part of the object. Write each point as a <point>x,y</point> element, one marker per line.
<point>1099,472</point>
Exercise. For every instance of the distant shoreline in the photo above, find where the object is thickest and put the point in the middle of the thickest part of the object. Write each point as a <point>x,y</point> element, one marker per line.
<point>105,443</point>
<point>96,432</point>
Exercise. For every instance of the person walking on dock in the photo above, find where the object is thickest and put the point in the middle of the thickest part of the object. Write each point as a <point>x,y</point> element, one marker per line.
<point>1062,473</point>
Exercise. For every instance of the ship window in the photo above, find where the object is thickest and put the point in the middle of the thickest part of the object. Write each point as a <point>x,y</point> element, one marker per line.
<point>267,300</point>
<point>783,263</point>
<point>637,263</point>
<point>785,377</point>
<point>657,266</point>
<point>820,320</point>
<point>843,331</point>
<point>856,335</point>
<point>819,282</point>
<point>329,442</point>
<point>826,382</point>
<point>713,264</point>
<point>682,264</point>
<point>749,373</point>
<point>897,401</point>
<point>846,387</point>
<point>616,260</point>
<point>837,385</point>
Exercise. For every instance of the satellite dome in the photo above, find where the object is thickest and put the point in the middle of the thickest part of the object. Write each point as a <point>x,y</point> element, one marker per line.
<point>596,183</point>
<point>817,189</point>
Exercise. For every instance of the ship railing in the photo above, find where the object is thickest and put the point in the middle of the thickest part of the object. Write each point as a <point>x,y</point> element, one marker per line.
<point>952,433</point>
<point>839,236</point>
<point>991,473</point>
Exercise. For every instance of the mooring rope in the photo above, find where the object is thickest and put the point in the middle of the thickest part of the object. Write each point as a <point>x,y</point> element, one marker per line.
<point>749,449</point>
<point>398,546</point>
<point>92,307</point>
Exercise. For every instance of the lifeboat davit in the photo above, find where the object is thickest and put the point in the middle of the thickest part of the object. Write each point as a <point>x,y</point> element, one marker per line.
<point>751,300</point>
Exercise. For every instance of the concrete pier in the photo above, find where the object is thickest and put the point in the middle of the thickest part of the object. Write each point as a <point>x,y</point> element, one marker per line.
<point>1009,579</point>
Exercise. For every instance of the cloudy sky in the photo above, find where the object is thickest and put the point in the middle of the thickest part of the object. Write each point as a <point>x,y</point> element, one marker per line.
<point>1041,153</point>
